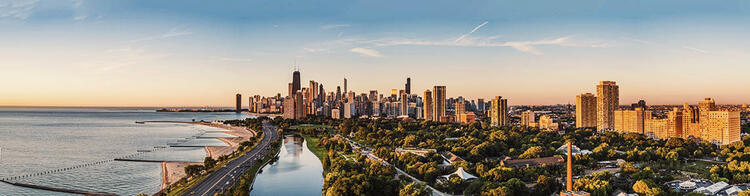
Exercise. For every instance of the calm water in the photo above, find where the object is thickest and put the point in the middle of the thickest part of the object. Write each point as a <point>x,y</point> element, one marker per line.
<point>297,172</point>
<point>35,140</point>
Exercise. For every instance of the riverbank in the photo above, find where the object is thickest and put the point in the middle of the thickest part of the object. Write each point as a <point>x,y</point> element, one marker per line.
<point>312,145</point>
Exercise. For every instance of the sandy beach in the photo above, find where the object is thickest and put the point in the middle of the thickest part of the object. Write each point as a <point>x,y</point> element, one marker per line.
<point>174,171</point>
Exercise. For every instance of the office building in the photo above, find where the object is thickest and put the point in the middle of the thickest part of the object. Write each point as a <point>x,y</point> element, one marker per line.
<point>607,101</point>
<point>585,110</point>
<point>296,85</point>
<point>238,108</point>
<point>407,87</point>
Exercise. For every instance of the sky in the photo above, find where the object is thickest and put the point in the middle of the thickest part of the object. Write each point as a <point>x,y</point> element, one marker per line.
<point>201,53</point>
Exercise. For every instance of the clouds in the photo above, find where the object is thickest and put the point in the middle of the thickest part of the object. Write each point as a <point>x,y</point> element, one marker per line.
<point>173,32</point>
<point>366,52</point>
<point>17,9</point>
<point>334,26</point>
<point>472,31</point>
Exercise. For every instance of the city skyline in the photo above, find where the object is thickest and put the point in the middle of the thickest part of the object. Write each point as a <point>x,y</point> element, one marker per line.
<point>143,53</point>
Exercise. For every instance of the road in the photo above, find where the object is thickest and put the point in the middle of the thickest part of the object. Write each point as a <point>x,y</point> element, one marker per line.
<point>225,177</point>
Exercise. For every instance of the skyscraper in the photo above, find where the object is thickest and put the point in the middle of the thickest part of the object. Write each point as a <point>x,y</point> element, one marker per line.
<point>345,89</point>
<point>404,106</point>
<point>408,86</point>
<point>427,105</point>
<point>338,93</point>
<point>295,82</point>
<point>438,103</point>
<point>499,111</point>
<point>480,105</point>
<point>585,110</point>
<point>239,103</point>
<point>607,101</point>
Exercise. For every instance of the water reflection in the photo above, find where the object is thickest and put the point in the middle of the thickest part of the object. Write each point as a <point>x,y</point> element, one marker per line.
<point>297,172</point>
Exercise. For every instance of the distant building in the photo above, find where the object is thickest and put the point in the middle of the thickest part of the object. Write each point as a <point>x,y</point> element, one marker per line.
<point>335,113</point>
<point>296,85</point>
<point>532,162</point>
<point>427,105</point>
<point>607,101</point>
<point>527,118</point>
<point>407,87</point>
<point>499,111</point>
<point>547,123</point>
<point>239,103</point>
<point>585,110</point>
<point>438,104</point>
<point>631,121</point>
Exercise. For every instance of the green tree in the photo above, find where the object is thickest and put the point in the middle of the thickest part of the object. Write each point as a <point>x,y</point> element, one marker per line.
<point>414,189</point>
<point>533,152</point>
<point>642,187</point>
<point>209,163</point>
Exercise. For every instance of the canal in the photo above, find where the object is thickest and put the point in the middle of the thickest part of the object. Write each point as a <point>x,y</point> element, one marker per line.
<point>297,171</point>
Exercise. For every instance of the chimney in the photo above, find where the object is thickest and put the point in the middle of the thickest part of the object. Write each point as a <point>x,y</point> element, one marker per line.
<point>569,181</point>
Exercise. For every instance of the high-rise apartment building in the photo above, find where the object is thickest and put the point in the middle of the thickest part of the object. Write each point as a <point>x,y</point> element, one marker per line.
<point>585,110</point>
<point>404,106</point>
<point>480,105</point>
<point>499,111</point>
<point>427,105</point>
<point>239,103</point>
<point>607,101</point>
<point>438,102</point>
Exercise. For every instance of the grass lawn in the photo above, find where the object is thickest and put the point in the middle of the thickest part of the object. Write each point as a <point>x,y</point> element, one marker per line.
<point>312,144</point>
<point>310,126</point>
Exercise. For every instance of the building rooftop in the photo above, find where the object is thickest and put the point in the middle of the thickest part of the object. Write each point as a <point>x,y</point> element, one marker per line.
<point>532,162</point>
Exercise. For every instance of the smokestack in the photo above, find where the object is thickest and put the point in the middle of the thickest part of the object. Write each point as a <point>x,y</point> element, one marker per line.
<point>569,181</point>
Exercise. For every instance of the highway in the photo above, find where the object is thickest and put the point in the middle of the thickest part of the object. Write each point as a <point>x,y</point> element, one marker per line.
<point>225,177</point>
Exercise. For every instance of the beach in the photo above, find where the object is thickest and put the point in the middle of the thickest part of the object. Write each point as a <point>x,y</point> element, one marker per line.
<point>174,171</point>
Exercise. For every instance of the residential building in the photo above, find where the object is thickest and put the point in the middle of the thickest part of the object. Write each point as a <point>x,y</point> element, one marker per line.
<point>585,110</point>
<point>607,101</point>
<point>499,111</point>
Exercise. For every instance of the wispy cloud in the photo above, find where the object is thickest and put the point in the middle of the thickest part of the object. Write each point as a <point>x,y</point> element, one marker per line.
<point>174,32</point>
<point>695,49</point>
<point>524,46</point>
<point>17,9</point>
<point>366,52</point>
<point>334,26</point>
<point>472,31</point>
<point>231,59</point>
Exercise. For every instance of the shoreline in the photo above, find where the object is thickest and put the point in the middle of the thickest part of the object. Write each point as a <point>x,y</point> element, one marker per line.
<point>174,171</point>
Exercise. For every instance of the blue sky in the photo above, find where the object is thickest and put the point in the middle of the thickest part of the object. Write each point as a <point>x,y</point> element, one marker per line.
<point>198,53</point>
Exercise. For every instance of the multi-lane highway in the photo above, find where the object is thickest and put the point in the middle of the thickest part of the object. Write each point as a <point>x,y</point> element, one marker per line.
<point>223,178</point>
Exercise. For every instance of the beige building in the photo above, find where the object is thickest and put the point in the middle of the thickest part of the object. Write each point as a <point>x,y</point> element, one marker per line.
<point>499,111</point>
<point>427,105</point>
<point>724,127</point>
<point>527,117</point>
<point>705,122</point>
<point>631,121</point>
<point>585,110</point>
<point>607,101</point>
<point>547,123</point>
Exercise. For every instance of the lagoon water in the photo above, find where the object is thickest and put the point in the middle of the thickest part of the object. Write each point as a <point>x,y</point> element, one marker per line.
<point>297,171</point>
<point>35,140</point>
